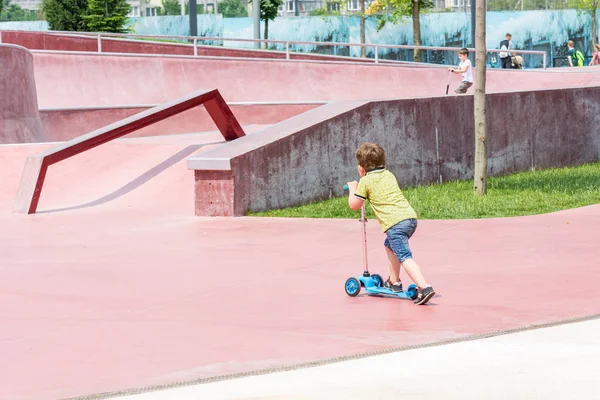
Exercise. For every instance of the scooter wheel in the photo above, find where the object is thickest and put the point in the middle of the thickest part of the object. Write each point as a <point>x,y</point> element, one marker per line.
<point>377,280</point>
<point>352,287</point>
<point>412,291</point>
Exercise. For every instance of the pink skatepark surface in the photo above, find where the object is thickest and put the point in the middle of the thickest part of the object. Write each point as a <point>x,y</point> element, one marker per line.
<point>91,80</point>
<point>68,83</point>
<point>117,286</point>
<point>75,89</point>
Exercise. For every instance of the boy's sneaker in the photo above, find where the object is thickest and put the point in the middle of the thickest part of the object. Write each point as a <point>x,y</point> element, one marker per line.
<point>394,287</point>
<point>424,295</point>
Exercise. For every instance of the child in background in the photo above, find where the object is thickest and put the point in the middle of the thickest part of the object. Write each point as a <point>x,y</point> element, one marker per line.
<point>466,69</point>
<point>575,56</point>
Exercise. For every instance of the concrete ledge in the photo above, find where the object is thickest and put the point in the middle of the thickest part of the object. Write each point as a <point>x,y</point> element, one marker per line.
<point>224,181</point>
<point>211,158</point>
<point>215,193</point>
<point>427,140</point>
<point>209,164</point>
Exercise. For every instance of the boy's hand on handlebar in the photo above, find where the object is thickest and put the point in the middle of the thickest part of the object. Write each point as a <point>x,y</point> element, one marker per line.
<point>352,186</point>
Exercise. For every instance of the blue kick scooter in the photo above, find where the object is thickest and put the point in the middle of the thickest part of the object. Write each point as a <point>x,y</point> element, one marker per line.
<point>373,284</point>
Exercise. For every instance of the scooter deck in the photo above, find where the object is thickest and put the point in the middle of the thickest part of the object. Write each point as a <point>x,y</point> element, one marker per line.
<point>380,291</point>
<point>373,287</point>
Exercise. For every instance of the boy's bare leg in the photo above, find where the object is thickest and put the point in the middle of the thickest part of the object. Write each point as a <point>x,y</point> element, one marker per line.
<point>394,266</point>
<point>412,269</point>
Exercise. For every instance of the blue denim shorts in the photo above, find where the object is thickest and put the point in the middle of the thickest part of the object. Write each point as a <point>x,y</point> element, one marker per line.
<point>397,238</point>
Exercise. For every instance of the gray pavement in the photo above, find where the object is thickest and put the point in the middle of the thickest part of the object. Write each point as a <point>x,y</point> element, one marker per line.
<point>561,362</point>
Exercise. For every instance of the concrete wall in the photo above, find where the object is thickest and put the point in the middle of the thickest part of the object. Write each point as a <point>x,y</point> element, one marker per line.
<point>19,115</point>
<point>288,166</point>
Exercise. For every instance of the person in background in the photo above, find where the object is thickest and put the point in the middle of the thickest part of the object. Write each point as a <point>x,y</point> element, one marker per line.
<point>506,56</point>
<point>596,56</point>
<point>575,56</point>
<point>466,69</point>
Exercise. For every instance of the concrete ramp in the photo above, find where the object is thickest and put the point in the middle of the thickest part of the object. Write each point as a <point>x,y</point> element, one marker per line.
<point>92,80</point>
<point>146,175</point>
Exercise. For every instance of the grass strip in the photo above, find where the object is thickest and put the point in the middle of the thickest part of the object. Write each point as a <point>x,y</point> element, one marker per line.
<point>525,193</point>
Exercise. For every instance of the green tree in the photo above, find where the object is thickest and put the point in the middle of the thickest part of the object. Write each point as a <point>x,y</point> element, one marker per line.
<point>65,15</point>
<point>107,16</point>
<point>199,8</point>
<point>319,12</point>
<point>395,10</point>
<point>170,7</point>
<point>173,7</point>
<point>589,7</point>
<point>232,9</point>
<point>268,11</point>
<point>13,12</point>
<point>332,7</point>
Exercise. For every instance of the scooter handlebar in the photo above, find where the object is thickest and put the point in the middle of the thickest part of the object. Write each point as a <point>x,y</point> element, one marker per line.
<point>346,188</point>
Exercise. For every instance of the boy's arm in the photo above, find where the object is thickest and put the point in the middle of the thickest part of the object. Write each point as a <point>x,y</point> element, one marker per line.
<point>354,202</point>
<point>459,70</point>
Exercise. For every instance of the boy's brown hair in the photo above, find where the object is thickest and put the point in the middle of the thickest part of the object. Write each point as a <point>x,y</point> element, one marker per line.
<point>570,43</point>
<point>464,51</point>
<point>370,156</point>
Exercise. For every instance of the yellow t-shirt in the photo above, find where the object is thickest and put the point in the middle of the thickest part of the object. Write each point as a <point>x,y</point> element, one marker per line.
<point>381,188</point>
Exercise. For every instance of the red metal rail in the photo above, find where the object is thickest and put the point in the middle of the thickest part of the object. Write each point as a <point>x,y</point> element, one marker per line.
<point>36,166</point>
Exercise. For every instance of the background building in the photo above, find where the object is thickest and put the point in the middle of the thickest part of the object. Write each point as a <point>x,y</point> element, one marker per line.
<point>28,4</point>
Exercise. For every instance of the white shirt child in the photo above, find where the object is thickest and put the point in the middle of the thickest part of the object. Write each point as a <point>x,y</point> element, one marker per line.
<point>468,74</point>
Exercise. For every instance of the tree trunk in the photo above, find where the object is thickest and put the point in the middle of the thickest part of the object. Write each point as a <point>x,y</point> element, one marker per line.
<point>480,170</point>
<point>363,50</point>
<point>416,29</point>
<point>266,32</point>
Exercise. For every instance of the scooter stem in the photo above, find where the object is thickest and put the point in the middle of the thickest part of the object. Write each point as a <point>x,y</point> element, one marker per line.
<point>363,219</point>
